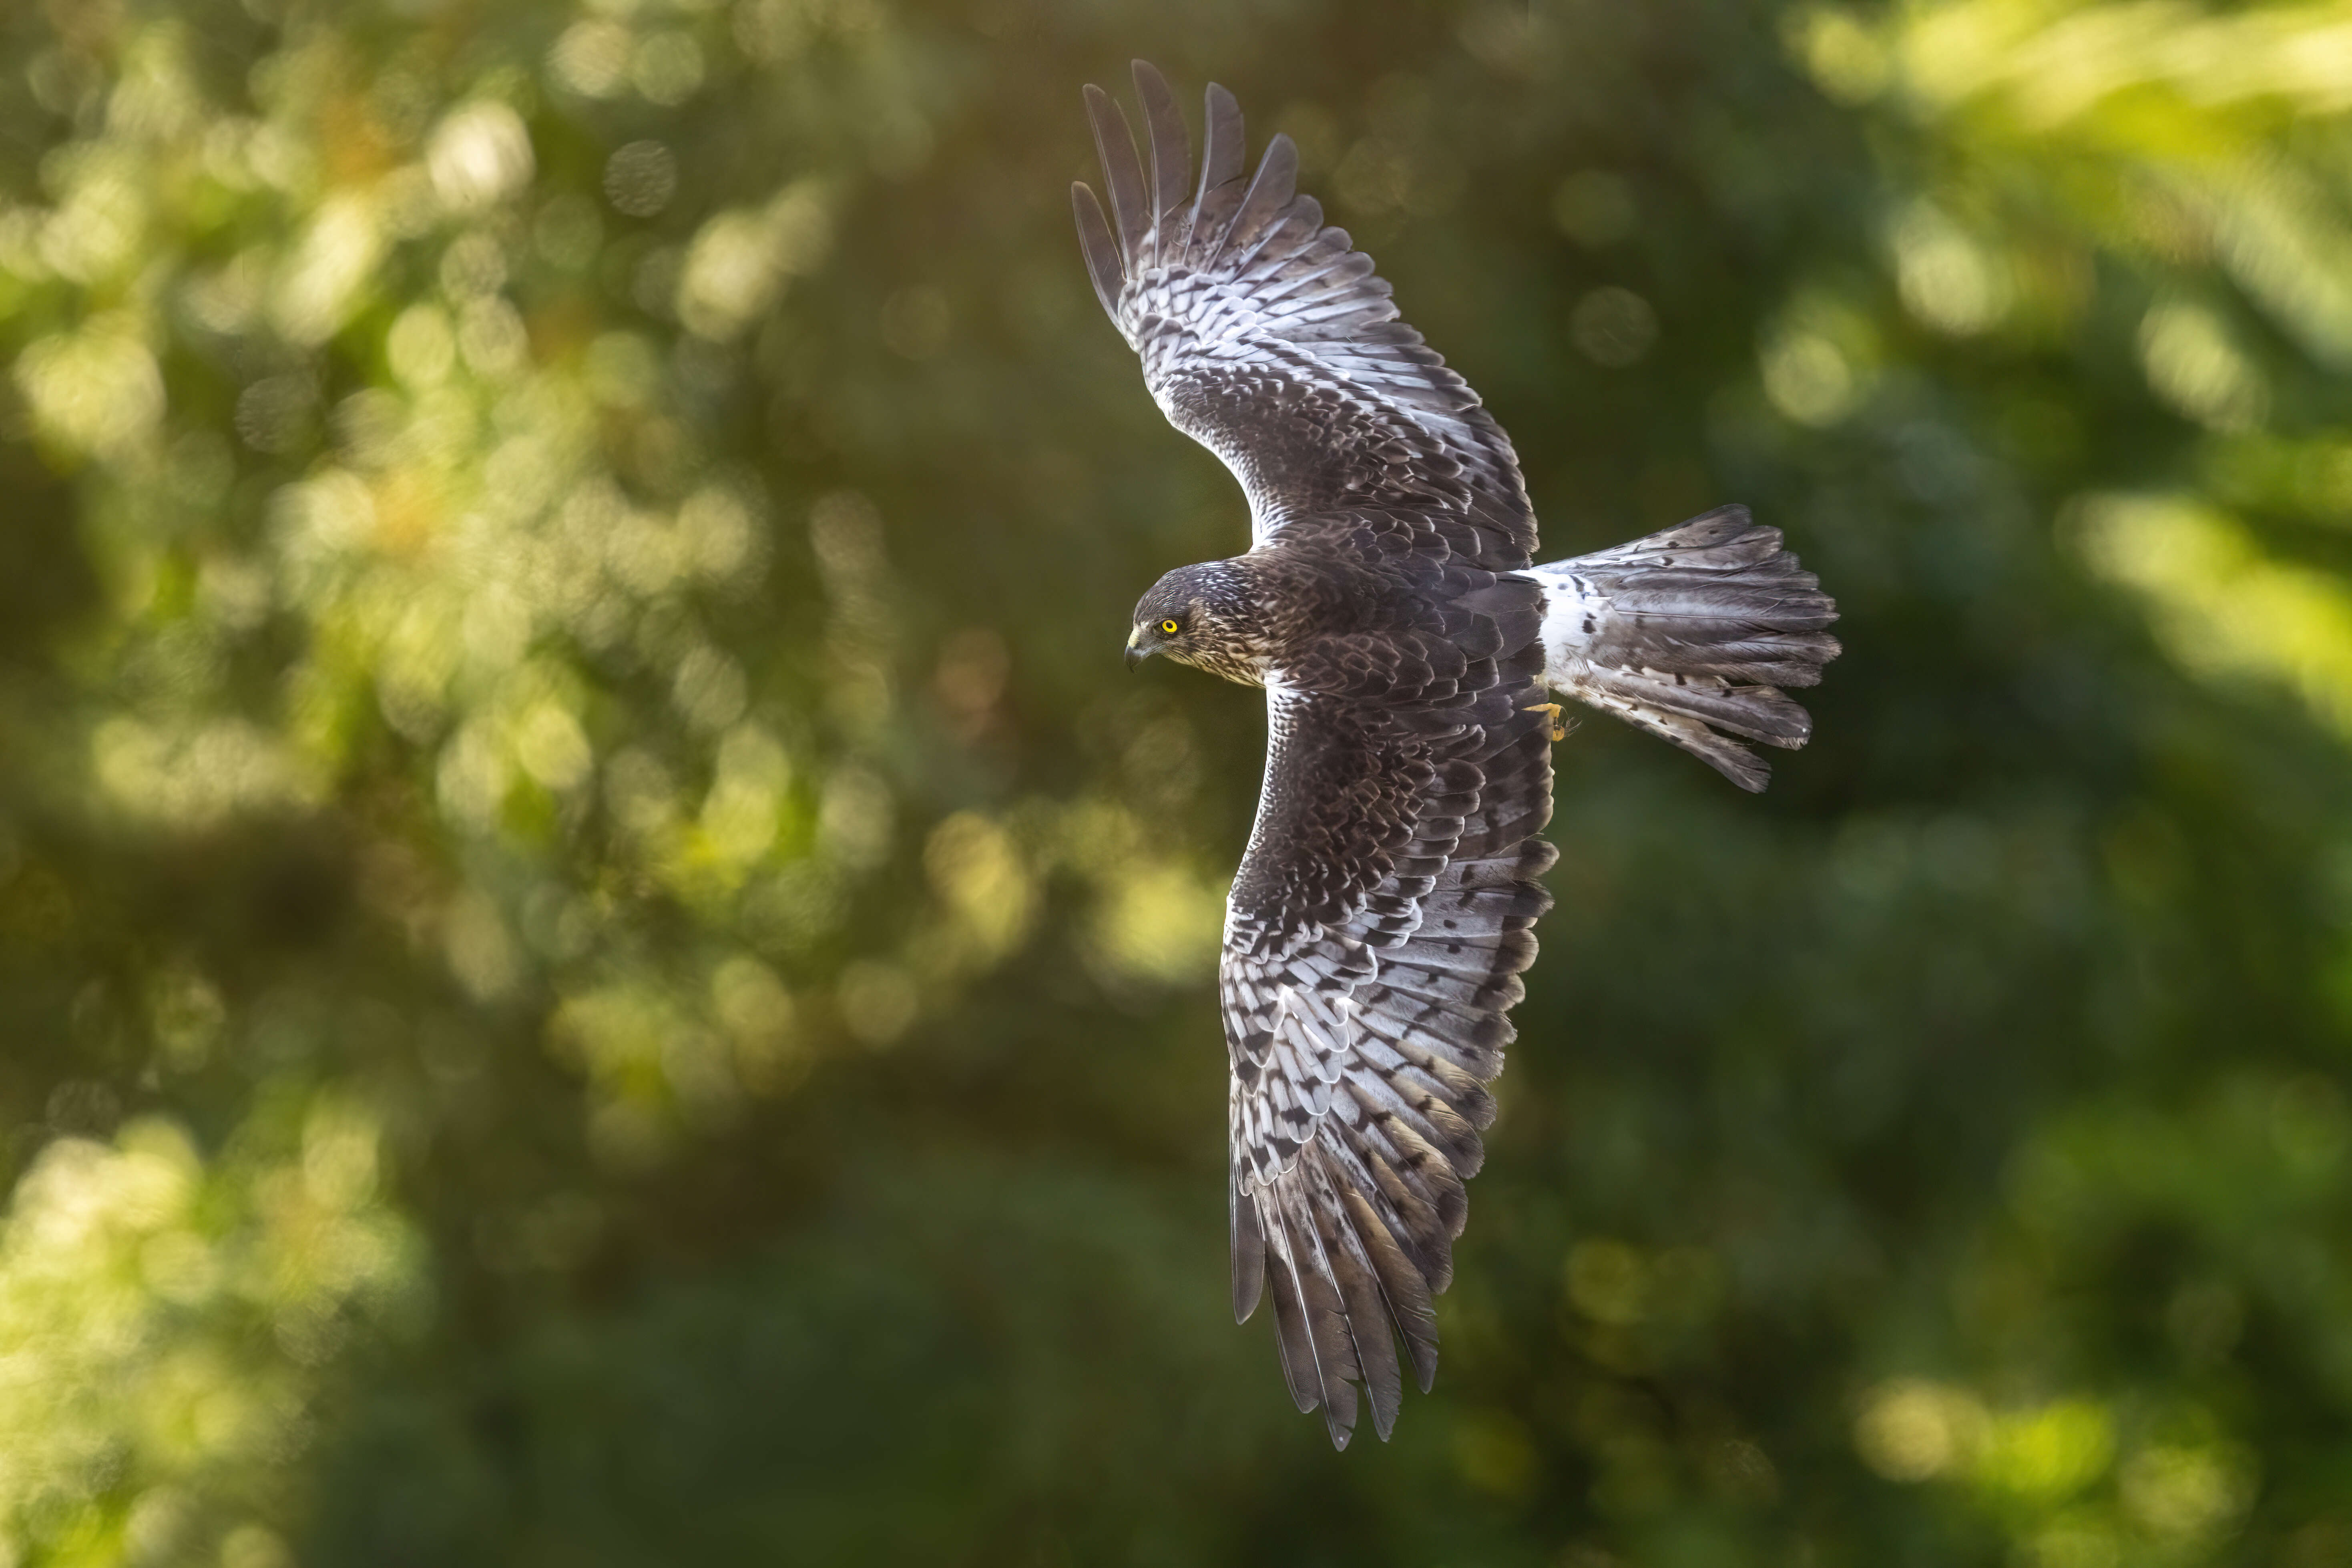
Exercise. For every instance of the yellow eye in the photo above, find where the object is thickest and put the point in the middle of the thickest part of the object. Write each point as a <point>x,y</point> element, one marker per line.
<point>1168,628</point>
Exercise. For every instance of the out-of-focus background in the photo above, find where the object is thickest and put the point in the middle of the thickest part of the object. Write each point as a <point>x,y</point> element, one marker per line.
<point>600,963</point>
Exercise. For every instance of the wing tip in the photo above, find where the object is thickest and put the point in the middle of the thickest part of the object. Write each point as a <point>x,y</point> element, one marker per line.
<point>1105,267</point>
<point>1248,1246</point>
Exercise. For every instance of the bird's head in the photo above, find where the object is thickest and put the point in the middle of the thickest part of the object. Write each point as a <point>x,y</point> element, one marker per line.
<point>1205,617</point>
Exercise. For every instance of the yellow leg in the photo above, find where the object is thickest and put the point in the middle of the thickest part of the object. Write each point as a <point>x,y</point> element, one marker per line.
<point>1558,724</point>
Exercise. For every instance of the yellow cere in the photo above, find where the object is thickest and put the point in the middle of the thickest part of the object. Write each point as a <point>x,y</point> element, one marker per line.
<point>502,654</point>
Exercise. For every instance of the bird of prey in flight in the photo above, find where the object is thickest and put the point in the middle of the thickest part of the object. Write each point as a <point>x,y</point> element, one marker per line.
<point>1390,605</point>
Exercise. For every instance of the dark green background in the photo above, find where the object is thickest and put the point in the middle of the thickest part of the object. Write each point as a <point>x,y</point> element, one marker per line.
<point>540,1033</point>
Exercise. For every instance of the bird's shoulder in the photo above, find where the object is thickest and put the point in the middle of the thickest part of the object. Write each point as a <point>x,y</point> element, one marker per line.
<point>1265,335</point>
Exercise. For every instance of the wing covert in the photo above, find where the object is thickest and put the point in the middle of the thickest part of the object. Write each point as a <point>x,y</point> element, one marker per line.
<point>1373,944</point>
<point>1270,340</point>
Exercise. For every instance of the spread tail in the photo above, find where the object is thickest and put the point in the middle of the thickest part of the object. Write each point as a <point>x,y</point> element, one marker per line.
<point>1691,632</point>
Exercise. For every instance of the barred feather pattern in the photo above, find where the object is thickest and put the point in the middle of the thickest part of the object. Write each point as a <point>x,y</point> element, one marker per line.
<point>1361,1043</point>
<point>1269,339</point>
<point>1383,913</point>
<point>1691,634</point>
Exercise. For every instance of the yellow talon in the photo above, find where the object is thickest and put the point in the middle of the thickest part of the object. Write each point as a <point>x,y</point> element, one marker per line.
<point>1558,724</point>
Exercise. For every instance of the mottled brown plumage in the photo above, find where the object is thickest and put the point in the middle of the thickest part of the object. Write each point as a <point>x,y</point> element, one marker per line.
<point>1383,911</point>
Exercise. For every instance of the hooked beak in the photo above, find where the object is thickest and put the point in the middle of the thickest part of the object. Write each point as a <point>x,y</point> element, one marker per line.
<point>1136,653</point>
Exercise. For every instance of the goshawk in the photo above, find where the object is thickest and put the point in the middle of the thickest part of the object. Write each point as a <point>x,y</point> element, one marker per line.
<point>1389,606</point>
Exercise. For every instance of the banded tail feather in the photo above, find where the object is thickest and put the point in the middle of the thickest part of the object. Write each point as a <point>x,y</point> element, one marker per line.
<point>1383,913</point>
<point>1691,634</point>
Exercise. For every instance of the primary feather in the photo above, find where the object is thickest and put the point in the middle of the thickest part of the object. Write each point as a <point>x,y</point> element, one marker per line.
<point>1384,909</point>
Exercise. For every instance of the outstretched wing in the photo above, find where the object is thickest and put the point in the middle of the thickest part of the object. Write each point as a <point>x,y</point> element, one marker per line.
<point>1381,919</point>
<point>1373,943</point>
<point>1270,342</point>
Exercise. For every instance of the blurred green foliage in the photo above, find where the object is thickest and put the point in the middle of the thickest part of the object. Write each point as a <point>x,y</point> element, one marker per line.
<point>600,965</point>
